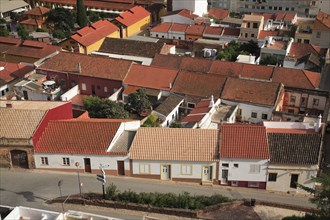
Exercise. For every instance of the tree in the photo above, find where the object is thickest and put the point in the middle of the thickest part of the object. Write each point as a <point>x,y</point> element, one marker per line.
<point>4,31</point>
<point>251,47</point>
<point>60,19</point>
<point>22,33</point>
<point>81,14</point>
<point>104,108</point>
<point>268,60</point>
<point>93,16</point>
<point>230,52</point>
<point>137,102</point>
<point>175,125</point>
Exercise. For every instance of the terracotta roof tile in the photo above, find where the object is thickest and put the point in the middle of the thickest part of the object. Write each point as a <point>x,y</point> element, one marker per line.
<point>243,141</point>
<point>168,61</point>
<point>198,84</point>
<point>195,64</point>
<point>195,30</point>
<point>257,72</point>
<point>39,11</point>
<point>95,32</point>
<point>90,136</point>
<point>263,34</point>
<point>32,105</point>
<point>32,21</point>
<point>251,91</point>
<point>12,71</point>
<point>178,27</point>
<point>175,144</point>
<point>289,16</point>
<point>299,50</point>
<point>123,143</point>
<point>183,12</point>
<point>92,66</point>
<point>213,30</point>
<point>324,19</point>
<point>109,4</point>
<point>218,13</point>
<point>286,148</point>
<point>132,16</point>
<point>162,28</point>
<point>19,123</point>
<point>202,108</point>
<point>230,31</point>
<point>150,77</point>
<point>226,68</point>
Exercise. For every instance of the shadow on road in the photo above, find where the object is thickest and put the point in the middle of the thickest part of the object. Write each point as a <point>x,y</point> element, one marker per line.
<point>29,196</point>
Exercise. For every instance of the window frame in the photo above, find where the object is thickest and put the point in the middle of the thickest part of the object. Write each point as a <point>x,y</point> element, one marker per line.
<point>272,177</point>
<point>254,113</point>
<point>184,170</point>
<point>65,161</point>
<point>44,161</point>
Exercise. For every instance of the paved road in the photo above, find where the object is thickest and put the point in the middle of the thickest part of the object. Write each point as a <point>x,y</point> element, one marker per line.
<point>33,187</point>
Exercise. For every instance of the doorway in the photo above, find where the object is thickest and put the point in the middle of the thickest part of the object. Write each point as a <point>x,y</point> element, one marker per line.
<point>224,176</point>
<point>87,162</point>
<point>165,172</point>
<point>19,159</point>
<point>25,95</point>
<point>294,181</point>
<point>207,173</point>
<point>121,168</point>
<point>93,90</point>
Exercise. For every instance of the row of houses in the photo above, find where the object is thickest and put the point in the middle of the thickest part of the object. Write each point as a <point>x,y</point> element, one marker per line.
<point>274,156</point>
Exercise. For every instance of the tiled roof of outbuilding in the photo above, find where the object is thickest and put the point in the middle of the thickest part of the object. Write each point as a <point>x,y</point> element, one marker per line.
<point>132,15</point>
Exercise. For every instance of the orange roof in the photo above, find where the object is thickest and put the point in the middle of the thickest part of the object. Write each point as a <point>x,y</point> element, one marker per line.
<point>175,144</point>
<point>150,77</point>
<point>195,30</point>
<point>92,66</point>
<point>78,136</point>
<point>167,61</point>
<point>12,71</point>
<point>32,21</point>
<point>132,16</point>
<point>323,19</point>
<point>183,12</point>
<point>178,27</point>
<point>195,64</point>
<point>263,34</point>
<point>226,68</point>
<point>298,50</point>
<point>162,28</point>
<point>218,13</point>
<point>213,30</point>
<point>251,91</point>
<point>257,72</point>
<point>39,11</point>
<point>230,31</point>
<point>95,32</point>
<point>243,141</point>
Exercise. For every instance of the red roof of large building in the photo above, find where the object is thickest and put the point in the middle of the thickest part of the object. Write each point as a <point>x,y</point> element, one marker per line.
<point>243,141</point>
<point>323,19</point>
<point>150,77</point>
<point>78,136</point>
<point>298,50</point>
<point>218,13</point>
<point>162,28</point>
<point>95,32</point>
<point>183,12</point>
<point>39,11</point>
<point>132,16</point>
<point>12,71</point>
<point>178,27</point>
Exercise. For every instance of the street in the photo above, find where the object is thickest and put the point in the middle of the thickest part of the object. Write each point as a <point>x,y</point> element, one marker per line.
<point>32,188</point>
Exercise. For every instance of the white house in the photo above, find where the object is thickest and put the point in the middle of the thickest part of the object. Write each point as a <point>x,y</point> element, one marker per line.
<point>161,30</point>
<point>183,16</point>
<point>199,7</point>
<point>177,31</point>
<point>244,155</point>
<point>303,144</point>
<point>85,144</point>
<point>175,154</point>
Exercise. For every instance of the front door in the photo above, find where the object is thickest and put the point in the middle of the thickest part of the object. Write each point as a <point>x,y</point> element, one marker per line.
<point>19,158</point>
<point>294,181</point>
<point>93,90</point>
<point>165,172</point>
<point>25,95</point>
<point>207,173</point>
<point>121,168</point>
<point>87,162</point>
<point>224,176</point>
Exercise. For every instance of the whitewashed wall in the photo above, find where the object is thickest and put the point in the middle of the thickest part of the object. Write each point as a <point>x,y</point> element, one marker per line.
<point>3,88</point>
<point>177,19</point>
<point>242,173</point>
<point>284,177</point>
<point>55,161</point>
<point>171,117</point>
<point>160,34</point>
<point>70,93</point>
<point>176,35</point>
<point>155,168</point>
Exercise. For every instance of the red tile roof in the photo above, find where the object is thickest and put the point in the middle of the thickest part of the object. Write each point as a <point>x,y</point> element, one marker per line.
<point>195,64</point>
<point>39,11</point>
<point>93,66</point>
<point>213,30</point>
<point>243,141</point>
<point>132,16</point>
<point>251,91</point>
<point>32,21</point>
<point>195,30</point>
<point>178,27</point>
<point>299,50</point>
<point>230,31</point>
<point>95,32</point>
<point>218,13</point>
<point>226,68</point>
<point>324,19</point>
<point>162,28</point>
<point>12,71</point>
<point>289,16</point>
<point>263,34</point>
<point>169,61</point>
<point>198,84</point>
<point>257,72</point>
<point>78,136</point>
<point>202,108</point>
<point>150,77</point>
<point>183,12</point>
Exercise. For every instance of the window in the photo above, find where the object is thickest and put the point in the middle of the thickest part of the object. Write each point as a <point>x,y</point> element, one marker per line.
<point>293,99</point>
<point>83,86</point>
<point>248,24</point>
<point>292,9</point>
<point>253,184</point>
<point>270,7</point>
<point>280,8</point>
<point>234,183</point>
<point>173,37</point>
<point>44,160</point>
<point>275,8</point>
<point>105,89</point>
<point>179,38</point>
<point>291,111</point>
<point>254,114</point>
<point>186,169</point>
<point>252,35</point>
<point>156,35</point>
<point>264,116</point>
<point>286,9</point>
<point>236,165</point>
<point>246,35</point>
<point>318,34</point>
<point>316,102</point>
<point>299,41</point>
<point>272,177</point>
<point>144,168</point>
<point>191,105</point>
<point>306,41</point>
<point>225,165</point>
<point>66,161</point>
<point>254,168</point>
<point>255,25</point>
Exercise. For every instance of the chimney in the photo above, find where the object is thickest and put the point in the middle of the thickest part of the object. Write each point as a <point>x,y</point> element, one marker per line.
<point>211,102</point>
<point>318,123</point>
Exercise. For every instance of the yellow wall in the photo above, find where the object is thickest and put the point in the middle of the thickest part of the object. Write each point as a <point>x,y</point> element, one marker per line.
<point>96,46</point>
<point>138,26</point>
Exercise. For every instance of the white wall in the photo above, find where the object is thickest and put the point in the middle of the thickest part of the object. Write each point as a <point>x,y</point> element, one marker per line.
<point>284,177</point>
<point>70,93</point>
<point>177,19</point>
<point>3,88</point>
<point>292,64</point>
<point>55,161</point>
<point>242,173</point>
<point>160,35</point>
<point>155,167</point>
<point>199,7</point>
<point>176,35</point>
<point>31,213</point>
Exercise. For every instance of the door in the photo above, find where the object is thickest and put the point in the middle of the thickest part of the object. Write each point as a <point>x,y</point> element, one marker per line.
<point>207,173</point>
<point>294,181</point>
<point>25,94</point>
<point>224,176</point>
<point>87,162</point>
<point>93,90</point>
<point>165,172</point>
<point>19,158</point>
<point>121,168</point>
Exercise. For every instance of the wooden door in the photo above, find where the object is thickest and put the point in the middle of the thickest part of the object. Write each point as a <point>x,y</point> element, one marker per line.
<point>88,167</point>
<point>121,168</point>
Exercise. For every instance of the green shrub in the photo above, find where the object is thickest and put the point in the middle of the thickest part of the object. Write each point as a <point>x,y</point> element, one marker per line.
<point>111,191</point>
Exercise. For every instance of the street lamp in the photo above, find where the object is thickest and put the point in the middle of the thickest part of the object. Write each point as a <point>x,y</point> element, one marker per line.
<point>79,184</point>
<point>59,184</point>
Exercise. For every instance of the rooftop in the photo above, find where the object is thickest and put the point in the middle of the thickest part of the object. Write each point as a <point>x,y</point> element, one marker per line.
<point>38,11</point>
<point>132,15</point>
<point>167,106</point>
<point>218,13</point>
